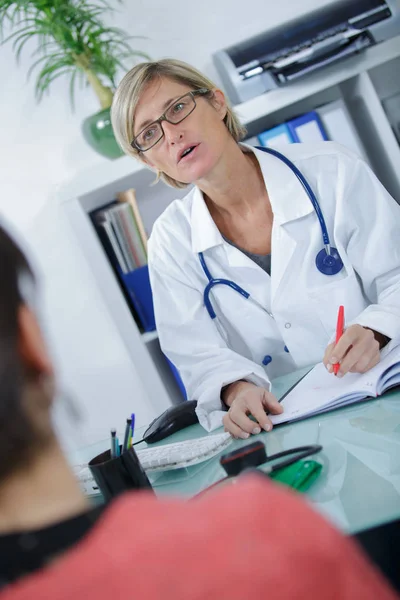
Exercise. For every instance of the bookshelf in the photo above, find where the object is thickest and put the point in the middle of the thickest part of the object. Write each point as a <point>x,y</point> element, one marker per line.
<point>369,86</point>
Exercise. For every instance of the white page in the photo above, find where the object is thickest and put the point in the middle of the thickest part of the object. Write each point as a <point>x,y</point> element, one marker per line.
<point>320,389</point>
<point>314,392</point>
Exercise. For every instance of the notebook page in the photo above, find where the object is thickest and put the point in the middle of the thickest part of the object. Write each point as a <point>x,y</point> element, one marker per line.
<point>320,389</point>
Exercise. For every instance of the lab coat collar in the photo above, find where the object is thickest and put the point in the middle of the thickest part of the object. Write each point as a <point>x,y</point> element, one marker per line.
<point>205,233</point>
<point>287,196</point>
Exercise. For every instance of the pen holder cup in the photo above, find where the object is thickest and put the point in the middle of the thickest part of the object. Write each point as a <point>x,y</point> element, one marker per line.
<point>117,475</point>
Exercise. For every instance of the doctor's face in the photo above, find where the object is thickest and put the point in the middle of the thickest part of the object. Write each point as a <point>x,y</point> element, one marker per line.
<point>189,150</point>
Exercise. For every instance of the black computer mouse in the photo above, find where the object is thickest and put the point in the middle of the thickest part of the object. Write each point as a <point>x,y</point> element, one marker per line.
<point>170,421</point>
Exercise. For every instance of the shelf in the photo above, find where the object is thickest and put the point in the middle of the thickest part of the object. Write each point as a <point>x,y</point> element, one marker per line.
<point>149,336</point>
<point>101,175</point>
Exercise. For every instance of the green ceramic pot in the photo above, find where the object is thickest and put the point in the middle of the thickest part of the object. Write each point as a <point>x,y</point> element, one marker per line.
<point>98,133</point>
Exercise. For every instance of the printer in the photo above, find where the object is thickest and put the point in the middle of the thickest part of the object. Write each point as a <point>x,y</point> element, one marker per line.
<point>286,53</point>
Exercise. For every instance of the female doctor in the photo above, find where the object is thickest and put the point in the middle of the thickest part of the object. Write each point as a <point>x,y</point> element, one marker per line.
<point>249,269</point>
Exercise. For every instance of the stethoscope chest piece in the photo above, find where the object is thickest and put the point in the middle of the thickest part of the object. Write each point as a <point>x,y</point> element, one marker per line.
<point>328,264</point>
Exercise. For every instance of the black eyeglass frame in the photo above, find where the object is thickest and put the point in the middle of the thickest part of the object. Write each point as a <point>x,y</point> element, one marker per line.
<point>192,94</point>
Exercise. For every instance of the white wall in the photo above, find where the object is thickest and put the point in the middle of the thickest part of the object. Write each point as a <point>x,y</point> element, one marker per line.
<point>41,147</point>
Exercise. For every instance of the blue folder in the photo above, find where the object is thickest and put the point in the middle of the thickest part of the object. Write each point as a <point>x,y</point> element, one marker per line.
<point>137,284</point>
<point>277,136</point>
<point>307,128</point>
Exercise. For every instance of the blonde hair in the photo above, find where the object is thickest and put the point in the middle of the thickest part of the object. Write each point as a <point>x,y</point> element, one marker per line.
<point>131,88</point>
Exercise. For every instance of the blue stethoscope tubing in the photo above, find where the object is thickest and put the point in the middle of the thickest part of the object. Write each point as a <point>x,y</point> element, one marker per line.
<point>327,261</point>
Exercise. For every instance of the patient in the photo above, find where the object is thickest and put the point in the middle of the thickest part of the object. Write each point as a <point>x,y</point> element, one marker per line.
<point>253,539</point>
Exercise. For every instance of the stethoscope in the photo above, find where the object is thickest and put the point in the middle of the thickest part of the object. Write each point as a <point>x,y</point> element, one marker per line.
<point>328,261</point>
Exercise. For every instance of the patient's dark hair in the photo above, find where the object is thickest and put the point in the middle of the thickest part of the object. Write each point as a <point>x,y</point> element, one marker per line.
<point>17,432</point>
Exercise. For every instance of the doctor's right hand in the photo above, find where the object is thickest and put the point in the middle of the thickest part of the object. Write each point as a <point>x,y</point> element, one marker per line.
<point>245,399</point>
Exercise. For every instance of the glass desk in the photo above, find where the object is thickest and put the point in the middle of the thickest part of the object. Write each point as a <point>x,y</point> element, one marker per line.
<point>359,486</point>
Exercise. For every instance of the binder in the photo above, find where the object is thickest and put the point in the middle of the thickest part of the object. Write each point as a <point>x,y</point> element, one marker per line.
<point>129,197</point>
<point>307,128</point>
<point>276,137</point>
<point>110,243</point>
<point>339,126</point>
<point>128,224</point>
<point>116,217</point>
<point>391,106</point>
<point>137,284</point>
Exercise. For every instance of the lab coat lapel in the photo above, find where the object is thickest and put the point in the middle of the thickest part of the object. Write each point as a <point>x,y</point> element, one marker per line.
<point>289,203</point>
<point>241,269</point>
<point>283,247</point>
<point>205,233</point>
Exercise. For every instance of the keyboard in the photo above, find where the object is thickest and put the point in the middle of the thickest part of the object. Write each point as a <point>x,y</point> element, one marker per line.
<point>85,479</point>
<point>183,454</point>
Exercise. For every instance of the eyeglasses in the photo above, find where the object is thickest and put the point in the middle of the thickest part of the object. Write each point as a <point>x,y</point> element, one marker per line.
<point>176,113</point>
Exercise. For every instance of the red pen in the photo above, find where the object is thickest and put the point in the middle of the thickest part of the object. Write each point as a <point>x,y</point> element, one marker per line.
<point>339,333</point>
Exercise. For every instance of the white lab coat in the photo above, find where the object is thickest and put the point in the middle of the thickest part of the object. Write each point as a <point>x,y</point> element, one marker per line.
<point>363,222</point>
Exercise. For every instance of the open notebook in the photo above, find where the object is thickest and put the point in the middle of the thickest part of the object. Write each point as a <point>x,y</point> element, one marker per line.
<point>319,391</point>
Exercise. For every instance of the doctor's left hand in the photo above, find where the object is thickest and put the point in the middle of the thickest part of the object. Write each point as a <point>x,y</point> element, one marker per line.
<point>357,351</point>
<point>246,399</point>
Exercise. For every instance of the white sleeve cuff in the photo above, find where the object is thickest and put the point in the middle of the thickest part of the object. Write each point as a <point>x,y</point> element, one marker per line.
<point>385,321</point>
<point>210,409</point>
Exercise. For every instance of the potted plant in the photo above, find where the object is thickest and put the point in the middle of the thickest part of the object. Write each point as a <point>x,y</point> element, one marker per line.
<point>73,41</point>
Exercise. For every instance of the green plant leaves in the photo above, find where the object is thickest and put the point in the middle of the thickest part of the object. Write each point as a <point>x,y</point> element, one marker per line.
<point>71,40</point>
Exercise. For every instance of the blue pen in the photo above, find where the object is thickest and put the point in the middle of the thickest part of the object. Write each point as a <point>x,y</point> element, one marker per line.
<point>117,450</point>
<point>133,424</point>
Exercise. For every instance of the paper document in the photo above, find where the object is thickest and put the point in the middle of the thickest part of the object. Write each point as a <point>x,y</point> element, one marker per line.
<point>320,390</point>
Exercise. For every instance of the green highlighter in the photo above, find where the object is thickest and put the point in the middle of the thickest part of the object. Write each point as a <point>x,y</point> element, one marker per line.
<point>299,475</point>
